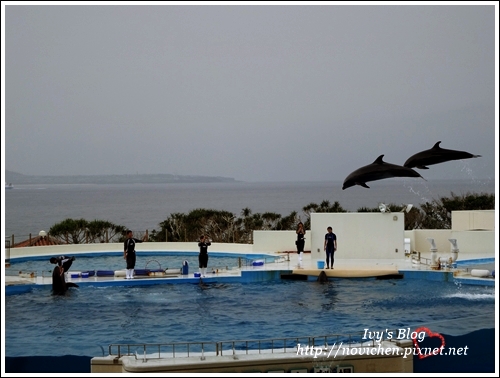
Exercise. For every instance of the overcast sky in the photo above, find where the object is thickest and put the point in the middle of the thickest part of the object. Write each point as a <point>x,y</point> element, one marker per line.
<point>257,93</point>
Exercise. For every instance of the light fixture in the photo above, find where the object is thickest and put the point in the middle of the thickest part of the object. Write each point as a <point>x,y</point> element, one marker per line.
<point>384,208</point>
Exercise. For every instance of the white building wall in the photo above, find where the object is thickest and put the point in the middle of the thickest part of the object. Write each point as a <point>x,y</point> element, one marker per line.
<point>419,242</point>
<point>359,235</point>
<point>473,220</point>
<point>473,243</point>
<point>278,241</point>
<point>479,243</point>
<point>474,231</point>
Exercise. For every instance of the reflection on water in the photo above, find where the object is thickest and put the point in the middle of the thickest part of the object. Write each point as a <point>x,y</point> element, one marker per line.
<point>330,294</point>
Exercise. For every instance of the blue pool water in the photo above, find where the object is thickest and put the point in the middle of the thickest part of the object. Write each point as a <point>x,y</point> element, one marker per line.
<point>115,261</point>
<point>91,318</point>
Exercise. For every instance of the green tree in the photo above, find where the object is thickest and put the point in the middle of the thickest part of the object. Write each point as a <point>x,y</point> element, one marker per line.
<point>70,230</point>
<point>218,225</point>
<point>437,214</point>
<point>223,226</point>
<point>99,231</point>
<point>213,223</point>
<point>412,218</point>
<point>78,231</point>
<point>323,207</point>
<point>288,222</point>
<point>172,229</point>
<point>248,223</point>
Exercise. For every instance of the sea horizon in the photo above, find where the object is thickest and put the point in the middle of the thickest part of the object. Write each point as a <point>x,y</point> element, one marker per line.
<point>30,208</point>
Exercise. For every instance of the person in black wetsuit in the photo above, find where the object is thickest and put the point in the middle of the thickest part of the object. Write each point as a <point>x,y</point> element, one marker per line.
<point>330,247</point>
<point>129,254</point>
<point>203,256</point>
<point>63,261</point>
<point>300,242</point>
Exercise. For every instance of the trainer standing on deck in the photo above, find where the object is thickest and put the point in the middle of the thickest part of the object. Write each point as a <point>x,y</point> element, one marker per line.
<point>300,242</point>
<point>330,247</point>
<point>203,256</point>
<point>129,253</point>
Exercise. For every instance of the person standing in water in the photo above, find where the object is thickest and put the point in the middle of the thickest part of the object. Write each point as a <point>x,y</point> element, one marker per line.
<point>300,242</point>
<point>129,254</point>
<point>203,256</point>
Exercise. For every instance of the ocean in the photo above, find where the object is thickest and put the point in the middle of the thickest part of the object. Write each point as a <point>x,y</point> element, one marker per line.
<point>32,208</point>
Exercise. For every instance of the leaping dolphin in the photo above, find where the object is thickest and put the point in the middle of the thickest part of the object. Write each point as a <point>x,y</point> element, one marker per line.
<point>377,170</point>
<point>436,155</point>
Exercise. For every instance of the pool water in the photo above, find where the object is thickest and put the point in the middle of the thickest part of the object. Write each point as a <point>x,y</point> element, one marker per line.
<point>116,262</point>
<point>88,319</point>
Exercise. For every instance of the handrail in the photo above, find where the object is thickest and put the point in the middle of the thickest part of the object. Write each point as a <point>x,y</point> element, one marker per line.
<point>419,258</point>
<point>156,261</point>
<point>216,348</point>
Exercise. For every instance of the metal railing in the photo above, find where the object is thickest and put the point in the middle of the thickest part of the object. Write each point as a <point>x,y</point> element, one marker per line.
<point>237,347</point>
<point>416,257</point>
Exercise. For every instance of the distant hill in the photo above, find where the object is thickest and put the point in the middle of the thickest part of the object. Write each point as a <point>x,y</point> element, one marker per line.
<point>18,178</point>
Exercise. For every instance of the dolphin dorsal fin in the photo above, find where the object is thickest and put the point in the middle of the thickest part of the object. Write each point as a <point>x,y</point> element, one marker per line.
<point>379,160</point>
<point>436,146</point>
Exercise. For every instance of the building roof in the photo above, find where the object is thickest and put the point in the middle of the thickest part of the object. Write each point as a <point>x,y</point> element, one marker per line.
<point>38,241</point>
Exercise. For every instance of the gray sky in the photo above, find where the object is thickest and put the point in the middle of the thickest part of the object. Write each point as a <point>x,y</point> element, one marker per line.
<point>258,93</point>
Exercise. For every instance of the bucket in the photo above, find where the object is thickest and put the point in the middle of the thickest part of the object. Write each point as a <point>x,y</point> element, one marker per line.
<point>85,274</point>
<point>258,263</point>
<point>197,274</point>
<point>185,268</point>
<point>321,264</point>
<point>75,274</point>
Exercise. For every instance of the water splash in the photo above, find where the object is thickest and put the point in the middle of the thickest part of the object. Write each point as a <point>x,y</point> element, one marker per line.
<point>471,296</point>
<point>421,194</point>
